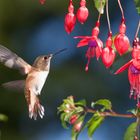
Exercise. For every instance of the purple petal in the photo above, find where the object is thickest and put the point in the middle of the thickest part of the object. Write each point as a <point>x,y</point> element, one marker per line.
<point>92,43</point>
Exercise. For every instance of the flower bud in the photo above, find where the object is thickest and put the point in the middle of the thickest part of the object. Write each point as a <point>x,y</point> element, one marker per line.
<point>121,41</point>
<point>73,119</point>
<point>82,13</point>
<point>78,126</point>
<point>70,19</point>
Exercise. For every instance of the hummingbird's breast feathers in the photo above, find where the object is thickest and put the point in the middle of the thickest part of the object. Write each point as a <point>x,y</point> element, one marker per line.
<point>35,81</point>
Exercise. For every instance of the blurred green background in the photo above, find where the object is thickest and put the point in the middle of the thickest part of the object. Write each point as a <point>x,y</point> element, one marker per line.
<point>30,29</point>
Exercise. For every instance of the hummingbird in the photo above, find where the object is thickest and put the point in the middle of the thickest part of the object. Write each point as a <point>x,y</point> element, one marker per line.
<point>36,76</point>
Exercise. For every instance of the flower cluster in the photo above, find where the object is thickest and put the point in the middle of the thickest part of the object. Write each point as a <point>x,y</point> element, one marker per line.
<point>95,45</point>
<point>72,113</point>
<point>70,18</point>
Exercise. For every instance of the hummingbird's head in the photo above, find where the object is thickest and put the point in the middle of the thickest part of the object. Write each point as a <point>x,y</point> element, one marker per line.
<point>43,62</point>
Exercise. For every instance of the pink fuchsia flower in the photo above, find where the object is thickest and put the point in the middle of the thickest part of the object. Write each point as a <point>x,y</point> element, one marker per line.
<point>121,41</point>
<point>70,19</point>
<point>78,126</point>
<point>94,44</point>
<point>108,54</point>
<point>82,13</point>
<point>133,71</point>
<point>42,1</point>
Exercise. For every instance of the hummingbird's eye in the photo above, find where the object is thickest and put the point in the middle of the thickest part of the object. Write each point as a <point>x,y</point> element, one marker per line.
<point>45,57</point>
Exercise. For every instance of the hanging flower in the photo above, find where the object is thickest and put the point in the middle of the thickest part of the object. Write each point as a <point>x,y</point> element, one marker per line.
<point>121,41</point>
<point>70,19</point>
<point>133,71</point>
<point>82,13</point>
<point>78,126</point>
<point>108,54</point>
<point>95,45</point>
<point>42,1</point>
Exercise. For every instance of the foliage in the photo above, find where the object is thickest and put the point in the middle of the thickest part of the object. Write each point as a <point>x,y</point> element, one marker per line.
<point>100,5</point>
<point>137,3</point>
<point>130,132</point>
<point>74,113</point>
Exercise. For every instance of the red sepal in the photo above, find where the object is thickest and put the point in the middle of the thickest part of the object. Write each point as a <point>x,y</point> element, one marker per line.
<point>124,67</point>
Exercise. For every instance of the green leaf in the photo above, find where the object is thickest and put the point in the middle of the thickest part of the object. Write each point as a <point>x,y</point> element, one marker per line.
<point>137,3</point>
<point>81,103</point>
<point>130,132</point>
<point>100,4</point>
<point>105,103</point>
<point>63,122</point>
<point>3,118</point>
<point>94,123</point>
<point>133,111</point>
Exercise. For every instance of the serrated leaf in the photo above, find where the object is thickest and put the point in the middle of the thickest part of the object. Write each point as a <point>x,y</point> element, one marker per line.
<point>94,123</point>
<point>137,3</point>
<point>100,4</point>
<point>105,103</point>
<point>130,132</point>
<point>3,118</point>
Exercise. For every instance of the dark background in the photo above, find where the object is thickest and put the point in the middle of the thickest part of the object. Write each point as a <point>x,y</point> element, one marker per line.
<point>30,29</point>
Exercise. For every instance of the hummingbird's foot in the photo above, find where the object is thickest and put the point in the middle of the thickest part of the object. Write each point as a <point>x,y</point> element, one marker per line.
<point>36,109</point>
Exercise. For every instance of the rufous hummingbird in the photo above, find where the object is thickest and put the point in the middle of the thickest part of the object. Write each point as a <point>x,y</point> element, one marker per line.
<point>34,82</point>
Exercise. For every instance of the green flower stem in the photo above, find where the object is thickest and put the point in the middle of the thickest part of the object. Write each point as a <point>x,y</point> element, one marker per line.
<point>111,114</point>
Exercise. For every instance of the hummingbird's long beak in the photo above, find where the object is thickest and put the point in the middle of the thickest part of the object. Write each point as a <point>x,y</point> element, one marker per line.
<point>58,52</point>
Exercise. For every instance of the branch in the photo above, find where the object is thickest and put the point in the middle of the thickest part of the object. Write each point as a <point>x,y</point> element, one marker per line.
<point>111,114</point>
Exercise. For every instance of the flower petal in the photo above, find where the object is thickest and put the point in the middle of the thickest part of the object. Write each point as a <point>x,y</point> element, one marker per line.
<point>83,42</point>
<point>125,66</point>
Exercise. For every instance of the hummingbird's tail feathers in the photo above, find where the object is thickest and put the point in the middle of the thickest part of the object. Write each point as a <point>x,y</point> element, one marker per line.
<point>17,85</point>
<point>38,109</point>
<point>35,110</point>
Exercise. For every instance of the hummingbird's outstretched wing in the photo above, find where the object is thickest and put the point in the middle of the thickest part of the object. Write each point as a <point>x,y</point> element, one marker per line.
<point>17,85</point>
<point>11,60</point>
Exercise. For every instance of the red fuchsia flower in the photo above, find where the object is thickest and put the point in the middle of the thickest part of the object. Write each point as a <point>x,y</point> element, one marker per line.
<point>42,1</point>
<point>70,19</point>
<point>121,41</point>
<point>82,13</point>
<point>133,71</point>
<point>95,45</point>
<point>108,54</point>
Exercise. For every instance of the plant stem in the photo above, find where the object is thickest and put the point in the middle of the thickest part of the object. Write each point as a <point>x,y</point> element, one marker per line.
<point>107,14</point>
<point>99,17</point>
<point>137,31</point>
<point>111,114</point>
<point>121,9</point>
